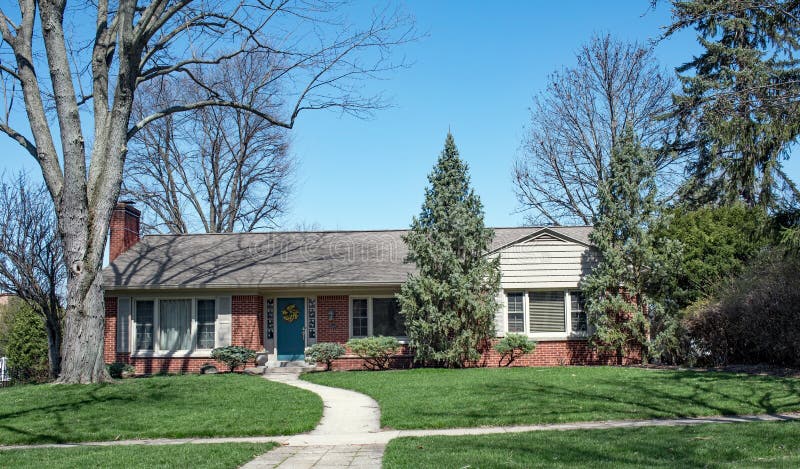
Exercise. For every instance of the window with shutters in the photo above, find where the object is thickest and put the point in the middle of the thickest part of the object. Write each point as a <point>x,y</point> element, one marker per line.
<point>169,325</point>
<point>546,311</point>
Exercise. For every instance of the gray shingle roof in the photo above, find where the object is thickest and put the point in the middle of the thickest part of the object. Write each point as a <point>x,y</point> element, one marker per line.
<point>272,259</point>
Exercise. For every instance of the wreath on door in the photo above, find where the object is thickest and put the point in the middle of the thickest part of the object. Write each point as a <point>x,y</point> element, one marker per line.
<point>290,313</point>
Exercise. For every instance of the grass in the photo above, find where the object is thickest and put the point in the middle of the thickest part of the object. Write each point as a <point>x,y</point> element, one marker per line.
<point>438,398</point>
<point>157,407</point>
<point>773,444</point>
<point>216,456</point>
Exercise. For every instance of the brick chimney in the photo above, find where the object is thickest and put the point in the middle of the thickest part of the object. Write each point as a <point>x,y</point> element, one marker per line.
<point>123,231</point>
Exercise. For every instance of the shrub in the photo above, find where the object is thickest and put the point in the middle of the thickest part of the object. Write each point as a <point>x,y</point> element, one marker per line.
<point>233,355</point>
<point>752,319</point>
<point>26,346</point>
<point>514,346</point>
<point>118,369</point>
<point>375,351</point>
<point>325,352</point>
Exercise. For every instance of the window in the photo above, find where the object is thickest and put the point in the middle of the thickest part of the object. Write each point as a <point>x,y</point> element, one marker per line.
<point>175,325</point>
<point>376,316</point>
<point>360,318</point>
<point>547,311</point>
<point>145,312</point>
<point>516,313</point>
<point>386,317</point>
<point>206,317</point>
<point>578,316</point>
<point>168,325</point>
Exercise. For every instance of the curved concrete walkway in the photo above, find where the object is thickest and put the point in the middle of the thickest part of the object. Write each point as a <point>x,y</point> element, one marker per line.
<point>339,439</point>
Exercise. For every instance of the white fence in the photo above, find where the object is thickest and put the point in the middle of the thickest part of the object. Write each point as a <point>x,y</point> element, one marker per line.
<point>5,379</point>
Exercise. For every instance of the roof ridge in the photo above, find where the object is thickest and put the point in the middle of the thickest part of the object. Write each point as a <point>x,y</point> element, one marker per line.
<point>385,230</point>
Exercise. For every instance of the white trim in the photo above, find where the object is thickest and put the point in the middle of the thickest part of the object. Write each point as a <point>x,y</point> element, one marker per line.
<point>193,351</point>
<point>402,339</point>
<point>195,322</point>
<point>543,336</point>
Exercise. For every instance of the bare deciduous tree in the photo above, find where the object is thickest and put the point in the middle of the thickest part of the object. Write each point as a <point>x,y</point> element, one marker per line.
<point>579,118</point>
<point>216,170</point>
<point>78,86</point>
<point>31,259</point>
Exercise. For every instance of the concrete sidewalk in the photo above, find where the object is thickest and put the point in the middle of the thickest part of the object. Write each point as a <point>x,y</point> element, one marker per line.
<point>383,437</point>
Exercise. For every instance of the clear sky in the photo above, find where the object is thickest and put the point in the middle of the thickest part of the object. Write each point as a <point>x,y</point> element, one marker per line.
<point>475,72</point>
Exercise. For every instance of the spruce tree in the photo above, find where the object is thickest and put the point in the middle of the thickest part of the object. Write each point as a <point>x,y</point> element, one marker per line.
<point>739,102</point>
<point>625,291</point>
<point>449,304</point>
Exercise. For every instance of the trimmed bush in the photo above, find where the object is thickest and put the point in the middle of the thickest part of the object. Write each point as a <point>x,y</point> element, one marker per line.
<point>753,319</point>
<point>117,370</point>
<point>325,352</point>
<point>233,355</point>
<point>514,346</point>
<point>375,351</point>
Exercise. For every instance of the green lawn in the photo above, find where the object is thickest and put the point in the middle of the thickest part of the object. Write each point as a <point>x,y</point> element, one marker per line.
<point>217,456</point>
<point>438,398</point>
<point>715,445</point>
<point>165,406</point>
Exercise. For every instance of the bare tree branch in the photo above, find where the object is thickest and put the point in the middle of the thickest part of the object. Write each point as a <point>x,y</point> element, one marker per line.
<point>31,258</point>
<point>578,119</point>
<point>214,169</point>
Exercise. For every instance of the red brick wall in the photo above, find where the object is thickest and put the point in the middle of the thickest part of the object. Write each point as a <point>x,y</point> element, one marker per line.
<point>337,330</point>
<point>550,353</point>
<point>110,333</point>
<point>123,230</point>
<point>247,321</point>
<point>556,353</point>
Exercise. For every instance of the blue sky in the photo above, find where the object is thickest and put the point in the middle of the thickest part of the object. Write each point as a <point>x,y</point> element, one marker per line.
<point>475,72</point>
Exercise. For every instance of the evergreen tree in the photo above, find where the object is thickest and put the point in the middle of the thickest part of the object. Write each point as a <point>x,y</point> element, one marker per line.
<point>26,344</point>
<point>449,304</point>
<point>739,100</point>
<point>625,292</point>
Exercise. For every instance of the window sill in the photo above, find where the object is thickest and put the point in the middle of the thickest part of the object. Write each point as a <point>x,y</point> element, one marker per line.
<point>402,340</point>
<point>552,336</point>
<point>175,354</point>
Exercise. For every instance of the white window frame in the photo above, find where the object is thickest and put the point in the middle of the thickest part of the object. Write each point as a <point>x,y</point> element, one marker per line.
<point>195,323</point>
<point>525,326</point>
<point>193,351</point>
<point>567,334</point>
<point>402,339</point>
<point>569,317</point>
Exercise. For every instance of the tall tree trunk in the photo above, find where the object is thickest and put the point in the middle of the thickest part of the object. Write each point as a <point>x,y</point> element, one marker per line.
<point>84,326</point>
<point>54,339</point>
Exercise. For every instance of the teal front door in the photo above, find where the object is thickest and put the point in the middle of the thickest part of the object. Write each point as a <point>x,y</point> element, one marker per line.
<point>291,328</point>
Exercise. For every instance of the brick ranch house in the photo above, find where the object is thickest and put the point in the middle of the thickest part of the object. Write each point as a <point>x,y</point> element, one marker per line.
<point>170,299</point>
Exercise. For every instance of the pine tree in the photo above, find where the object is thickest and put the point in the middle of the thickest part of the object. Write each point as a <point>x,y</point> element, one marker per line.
<point>624,292</point>
<point>739,100</point>
<point>449,304</point>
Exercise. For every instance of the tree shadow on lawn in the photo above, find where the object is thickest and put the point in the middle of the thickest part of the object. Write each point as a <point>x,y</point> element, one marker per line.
<point>638,447</point>
<point>671,395</point>
<point>76,402</point>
